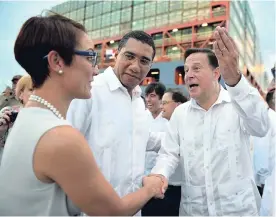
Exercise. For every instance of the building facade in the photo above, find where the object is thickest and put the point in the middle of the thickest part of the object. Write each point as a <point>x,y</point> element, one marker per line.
<point>174,26</point>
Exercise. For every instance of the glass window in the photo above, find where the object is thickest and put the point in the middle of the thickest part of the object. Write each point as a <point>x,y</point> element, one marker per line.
<point>150,9</point>
<point>73,15</point>
<point>106,20</point>
<point>149,23</point>
<point>138,25</point>
<point>136,2</point>
<point>89,11</point>
<point>115,17</point>
<point>176,5</point>
<point>97,22</point>
<point>80,14</point>
<point>106,6</point>
<point>203,4</point>
<point>125,27</point>
<point>73,5</point>
<point>175,17</point>
<point>126,15</point>
<point>161,20</point>
<point>138,11</point>
<point>126,4</point>
<point>114,30</point>
<point>88,24</point>
<point>162,7</point>
<point>81,4</point>
<point>116,5</point>
<point>189,4</point>
<point>97,9</point>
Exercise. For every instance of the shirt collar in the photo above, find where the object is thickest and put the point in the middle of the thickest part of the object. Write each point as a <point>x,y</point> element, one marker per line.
<point>223,97</point>
<point>114,83</point>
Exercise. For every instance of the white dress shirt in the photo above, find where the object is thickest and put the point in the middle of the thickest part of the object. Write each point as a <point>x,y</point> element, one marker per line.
<point>158,124</point>
<point>214,152</point>
<point>264,152</point>
<point>268,142</point>
<point>116,127</point>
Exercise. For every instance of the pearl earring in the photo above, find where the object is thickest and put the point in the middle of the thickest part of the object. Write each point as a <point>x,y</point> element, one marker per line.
<point>60,71</point>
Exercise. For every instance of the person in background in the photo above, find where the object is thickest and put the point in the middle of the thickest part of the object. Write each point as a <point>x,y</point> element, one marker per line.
<point>114,119</point>
<point>154,93</point>
<point>10,99</point>
<point>264,154</point>
<point>169,206</point>
<point>23,91</point>
<point>47,167</point>
<point>209,135</point>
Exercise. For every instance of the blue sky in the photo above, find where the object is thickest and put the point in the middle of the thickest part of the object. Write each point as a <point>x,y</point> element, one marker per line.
<point>14,13</point>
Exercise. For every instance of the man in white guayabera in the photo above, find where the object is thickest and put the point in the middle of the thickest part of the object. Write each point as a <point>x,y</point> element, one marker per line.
<point>209,135</point>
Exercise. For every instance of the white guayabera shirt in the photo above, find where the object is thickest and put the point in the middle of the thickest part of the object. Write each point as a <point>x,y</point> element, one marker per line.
<point>214,152</point>
<point>116,127</point>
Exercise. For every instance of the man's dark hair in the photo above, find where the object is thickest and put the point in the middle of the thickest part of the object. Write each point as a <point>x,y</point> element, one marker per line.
<point>38,36</point>
<point>213,60</point>
<point>158,87</point>
<point>269,96</point>
<point>177,95</point>
<point>139,36</point>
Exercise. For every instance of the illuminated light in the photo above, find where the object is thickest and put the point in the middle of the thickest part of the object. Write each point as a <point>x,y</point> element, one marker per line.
<point>154,73</point>
<point>112,42</point>
<point>175,48</point>
<point>175,30</point>
<point>180,74</point>
<point>204,24</point>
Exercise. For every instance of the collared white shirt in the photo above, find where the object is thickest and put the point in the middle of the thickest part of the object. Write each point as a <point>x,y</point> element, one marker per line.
<point>264,151</point>
<point>158,124</point>
<point>267,161</point>
<point>116,127</point>
<point>214,152</point>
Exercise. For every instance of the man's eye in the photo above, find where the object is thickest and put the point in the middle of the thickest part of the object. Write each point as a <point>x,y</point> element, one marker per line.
<point>145,62</point>
<point>129,56</point>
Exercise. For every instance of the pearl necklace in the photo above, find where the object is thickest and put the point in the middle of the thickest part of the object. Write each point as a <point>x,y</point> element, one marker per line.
<point>47,104</point>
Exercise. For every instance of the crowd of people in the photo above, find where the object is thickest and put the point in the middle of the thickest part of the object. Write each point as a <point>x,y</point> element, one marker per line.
<point>76,142</point>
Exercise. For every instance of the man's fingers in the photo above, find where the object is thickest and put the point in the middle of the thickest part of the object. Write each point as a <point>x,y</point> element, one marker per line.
<point>220,43</point>
<point>217,50</point>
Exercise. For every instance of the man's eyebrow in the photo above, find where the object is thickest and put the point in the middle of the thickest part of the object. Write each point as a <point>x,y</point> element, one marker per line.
<point>143,57</point>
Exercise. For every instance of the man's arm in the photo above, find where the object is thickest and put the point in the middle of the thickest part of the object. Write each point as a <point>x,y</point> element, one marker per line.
<point>246,99</point>
<point>79,114</point>
<point>251,107</point>
<point>168,156</point>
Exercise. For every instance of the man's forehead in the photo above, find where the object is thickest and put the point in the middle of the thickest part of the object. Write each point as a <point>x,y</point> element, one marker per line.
<point>196,58</point>
<point>167,96</point>
<point>137,47</point>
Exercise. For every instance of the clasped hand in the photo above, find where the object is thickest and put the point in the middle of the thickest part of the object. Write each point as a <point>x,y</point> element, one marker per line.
<point>157,183</point>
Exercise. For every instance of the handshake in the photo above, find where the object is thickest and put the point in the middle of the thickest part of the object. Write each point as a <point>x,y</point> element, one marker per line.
<point>156,184</point>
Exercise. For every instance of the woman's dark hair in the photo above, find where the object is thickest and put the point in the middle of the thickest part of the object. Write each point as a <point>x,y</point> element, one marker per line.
<point>38,36</point>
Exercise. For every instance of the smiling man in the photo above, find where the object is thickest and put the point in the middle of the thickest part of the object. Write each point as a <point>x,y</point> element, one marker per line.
<point>114,120</point>
<point>209,135</point>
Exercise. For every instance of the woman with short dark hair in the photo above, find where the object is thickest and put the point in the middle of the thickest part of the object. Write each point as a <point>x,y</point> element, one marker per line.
<point>47,166</point>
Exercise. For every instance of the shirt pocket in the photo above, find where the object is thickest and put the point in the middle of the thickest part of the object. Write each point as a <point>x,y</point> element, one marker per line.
<point>238,198</point>
<point>192,201</point>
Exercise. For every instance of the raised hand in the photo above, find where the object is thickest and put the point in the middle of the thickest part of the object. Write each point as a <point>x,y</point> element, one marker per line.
<point>228,56</point>
<point>154,184</point>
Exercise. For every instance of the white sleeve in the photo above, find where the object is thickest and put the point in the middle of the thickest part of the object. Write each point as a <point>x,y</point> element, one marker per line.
<point>79,114</point>
<point>251,108</point>
<point>168,156</point>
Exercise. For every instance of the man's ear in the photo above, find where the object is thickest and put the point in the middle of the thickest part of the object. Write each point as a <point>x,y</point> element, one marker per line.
<point>217,74</point>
